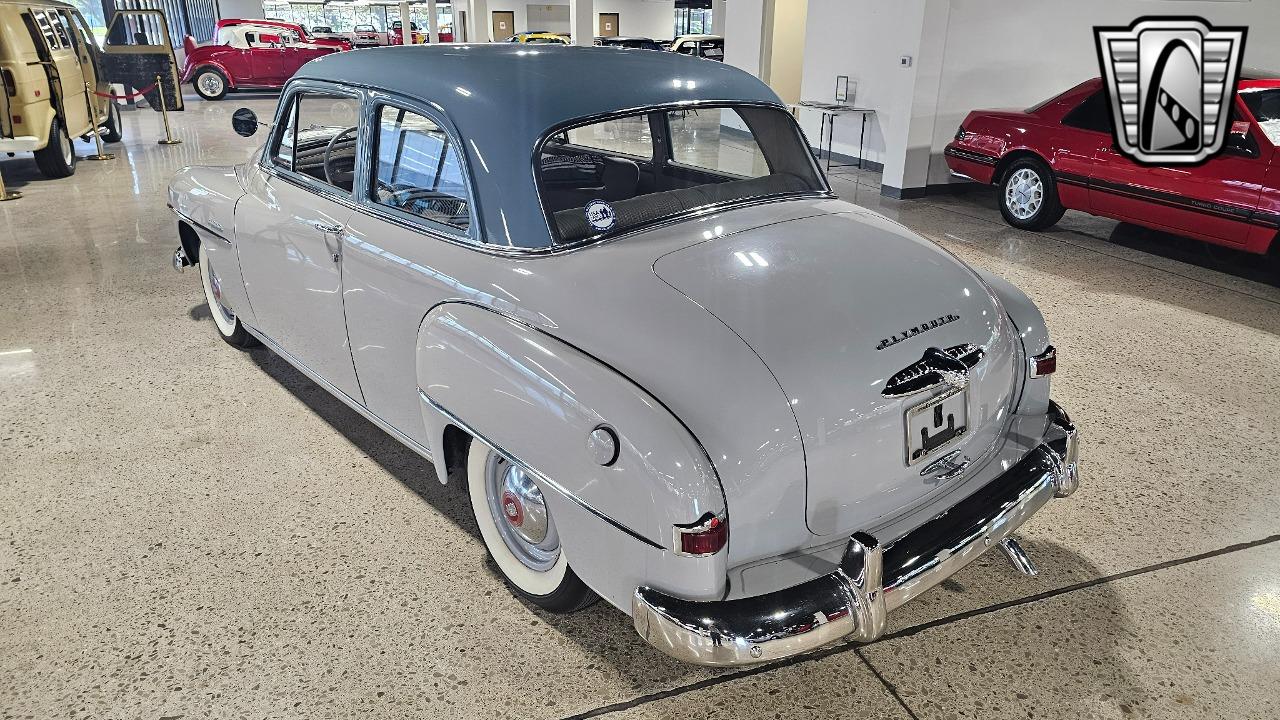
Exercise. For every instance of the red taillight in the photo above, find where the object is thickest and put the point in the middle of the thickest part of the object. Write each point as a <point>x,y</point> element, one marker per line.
<point>1046,363</point>
<point>705,537</point>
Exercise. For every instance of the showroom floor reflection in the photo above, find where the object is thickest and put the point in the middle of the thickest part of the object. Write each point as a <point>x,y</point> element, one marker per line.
<point>195,531</point>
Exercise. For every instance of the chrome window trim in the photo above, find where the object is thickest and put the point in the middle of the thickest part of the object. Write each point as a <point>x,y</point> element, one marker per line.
<point>473,234</point>
<point>267,163</point>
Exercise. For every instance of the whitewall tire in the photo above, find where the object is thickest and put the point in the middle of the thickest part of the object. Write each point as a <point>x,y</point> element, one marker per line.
<point>520,534</point>
<point>229,326</point>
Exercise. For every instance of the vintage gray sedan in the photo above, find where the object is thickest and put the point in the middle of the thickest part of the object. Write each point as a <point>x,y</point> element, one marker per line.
<point>611,293</point>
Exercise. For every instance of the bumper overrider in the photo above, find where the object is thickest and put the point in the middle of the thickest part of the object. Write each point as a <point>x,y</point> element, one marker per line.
<point>871,581</point>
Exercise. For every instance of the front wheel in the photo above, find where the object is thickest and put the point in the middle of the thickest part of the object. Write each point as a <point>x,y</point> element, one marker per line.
<point>1029,195</point>
<point>229,326</point>
<point>520,534</point>
<point>210,84</point>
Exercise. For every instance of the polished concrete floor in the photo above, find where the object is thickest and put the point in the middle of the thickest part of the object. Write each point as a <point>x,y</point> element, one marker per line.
<point>191,531</point>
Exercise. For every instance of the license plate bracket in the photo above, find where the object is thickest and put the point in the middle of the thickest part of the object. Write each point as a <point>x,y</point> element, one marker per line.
<point>935,424</point>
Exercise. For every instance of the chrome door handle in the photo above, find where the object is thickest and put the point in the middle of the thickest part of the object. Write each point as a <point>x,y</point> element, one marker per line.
<point>325,227</point>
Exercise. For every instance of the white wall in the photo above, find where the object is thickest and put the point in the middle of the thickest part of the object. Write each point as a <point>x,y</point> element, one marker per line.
<point>240,9</point>
<point>646,18</point>
<point>864,39</point>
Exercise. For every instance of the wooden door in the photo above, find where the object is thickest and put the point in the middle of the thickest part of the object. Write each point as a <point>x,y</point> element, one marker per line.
<point>504,25</point>
<point>608,25</point>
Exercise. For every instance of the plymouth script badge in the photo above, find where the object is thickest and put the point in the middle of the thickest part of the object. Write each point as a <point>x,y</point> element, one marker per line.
<point>914,331</point>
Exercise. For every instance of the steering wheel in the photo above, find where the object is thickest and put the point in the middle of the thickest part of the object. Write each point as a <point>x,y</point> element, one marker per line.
<point>334,176</point>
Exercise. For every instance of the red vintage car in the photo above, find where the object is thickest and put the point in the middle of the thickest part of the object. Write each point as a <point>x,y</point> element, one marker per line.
<point>1061,155</point>
<point>247,57</point>
<point>299,30</point>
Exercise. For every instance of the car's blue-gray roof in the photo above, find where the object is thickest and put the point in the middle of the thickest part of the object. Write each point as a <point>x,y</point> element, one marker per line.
<point>502,98</point>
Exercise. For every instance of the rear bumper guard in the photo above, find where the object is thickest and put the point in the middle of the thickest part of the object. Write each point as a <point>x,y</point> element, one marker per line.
<point>871,581</point>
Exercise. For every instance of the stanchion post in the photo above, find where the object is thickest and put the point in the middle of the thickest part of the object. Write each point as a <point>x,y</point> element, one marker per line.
<point>93,117</point>
<point>169,139</point>
<point>7,194</point>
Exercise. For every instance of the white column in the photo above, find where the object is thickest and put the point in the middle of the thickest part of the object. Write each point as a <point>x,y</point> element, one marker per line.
<point>406,27</point>
<point>479,22</point>
<point>433,23</point>
<point>717,17</point>
<point>582,22</point>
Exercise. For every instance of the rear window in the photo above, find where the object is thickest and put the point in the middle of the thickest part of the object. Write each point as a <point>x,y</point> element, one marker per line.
<point>622,173</point>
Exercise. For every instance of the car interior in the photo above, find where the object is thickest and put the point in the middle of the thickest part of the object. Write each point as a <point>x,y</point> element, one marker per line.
<point>642,183</point>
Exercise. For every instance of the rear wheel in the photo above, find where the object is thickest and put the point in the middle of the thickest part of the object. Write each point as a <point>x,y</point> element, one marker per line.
<point>112,132</point>
<point>210,84</point>
<point>1029,195</point>
<point>520,534</point>
<point>57,159</point>
<point>229,326</point>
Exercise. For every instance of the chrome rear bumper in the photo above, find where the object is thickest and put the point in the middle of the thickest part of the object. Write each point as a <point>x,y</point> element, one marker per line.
<point>871,581</point>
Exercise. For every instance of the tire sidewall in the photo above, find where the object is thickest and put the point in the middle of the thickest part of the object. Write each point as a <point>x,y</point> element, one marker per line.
<point>529,582</point>
<point>50,159</point>
<point>228,330</point>
<point>114,133</point>
<point>195,83</point>
<point>1050,208</point>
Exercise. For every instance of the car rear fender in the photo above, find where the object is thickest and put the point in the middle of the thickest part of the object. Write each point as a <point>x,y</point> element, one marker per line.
<point>536,400</point>
<point>197,63</point>
<point>1034,333</point>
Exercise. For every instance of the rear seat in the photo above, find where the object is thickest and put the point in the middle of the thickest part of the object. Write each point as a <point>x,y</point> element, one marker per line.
<point>572,223</point>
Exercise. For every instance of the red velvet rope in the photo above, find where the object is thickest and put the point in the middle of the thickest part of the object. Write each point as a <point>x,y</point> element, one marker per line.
<point>129,96</point>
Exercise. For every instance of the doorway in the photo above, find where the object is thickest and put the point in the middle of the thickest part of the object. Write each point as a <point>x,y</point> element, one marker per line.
<point>504,25</point>
<point>608,25</point>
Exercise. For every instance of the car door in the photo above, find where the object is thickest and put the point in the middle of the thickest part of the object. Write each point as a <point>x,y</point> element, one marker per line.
<point>1210,201</point>
<point>62,64</point>
<point>266,59</point>
<point>416,215</point>
<point>288,231</point>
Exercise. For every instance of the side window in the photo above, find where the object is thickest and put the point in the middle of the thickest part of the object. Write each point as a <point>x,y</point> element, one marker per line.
<point>1092,114</point>
<point>46,29</point>
<point>417,170</point>
<point>319,138</point>
<point>716,140</point>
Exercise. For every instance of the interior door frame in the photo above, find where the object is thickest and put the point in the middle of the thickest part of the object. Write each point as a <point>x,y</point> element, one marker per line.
<point>617,24</point>
<point>493,23</point>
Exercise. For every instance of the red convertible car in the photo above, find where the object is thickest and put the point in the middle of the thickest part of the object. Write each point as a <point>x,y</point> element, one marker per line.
<point>300,31</point>
<point>247,57</point>
<point>1061,155</point>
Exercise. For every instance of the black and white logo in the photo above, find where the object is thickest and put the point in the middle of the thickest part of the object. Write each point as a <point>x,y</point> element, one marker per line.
<point>1171,82</point>
<point>600,215</point>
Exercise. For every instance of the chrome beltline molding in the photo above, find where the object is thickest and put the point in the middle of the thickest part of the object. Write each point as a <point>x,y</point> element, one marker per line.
<point>542,477</point>
<point>347,399</point>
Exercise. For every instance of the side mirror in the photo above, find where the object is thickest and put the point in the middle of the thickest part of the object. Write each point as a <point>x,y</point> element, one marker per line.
<point>1240,141</point>
<point>245,122</point>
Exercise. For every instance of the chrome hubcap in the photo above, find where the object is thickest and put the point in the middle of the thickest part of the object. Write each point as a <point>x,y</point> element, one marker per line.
<point>67,148</point>
<point>520,512</point>
<point>211,83</point>
<point>1024,193</point>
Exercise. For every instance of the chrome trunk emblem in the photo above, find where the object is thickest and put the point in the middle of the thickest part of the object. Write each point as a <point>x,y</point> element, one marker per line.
<point>937,367</point>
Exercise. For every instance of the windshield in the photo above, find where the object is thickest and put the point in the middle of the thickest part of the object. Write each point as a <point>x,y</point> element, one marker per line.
<point>618,174</point>
<point>1264,103</point>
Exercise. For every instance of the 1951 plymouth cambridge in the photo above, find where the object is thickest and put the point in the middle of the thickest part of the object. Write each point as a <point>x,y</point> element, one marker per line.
<point>670,367</point>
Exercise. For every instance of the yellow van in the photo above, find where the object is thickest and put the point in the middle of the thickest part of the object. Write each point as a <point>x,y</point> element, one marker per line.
<point>47,56</point>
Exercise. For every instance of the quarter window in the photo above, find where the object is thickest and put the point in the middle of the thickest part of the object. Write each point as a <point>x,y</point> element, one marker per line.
<point>417,170</point>
<point>319,139</point>
<point>1092,114</point>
